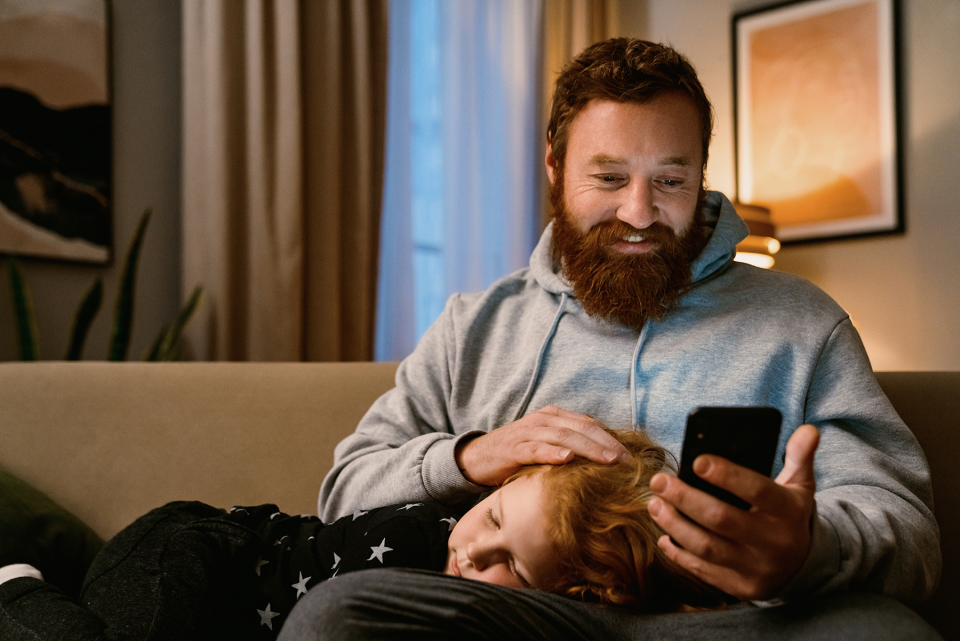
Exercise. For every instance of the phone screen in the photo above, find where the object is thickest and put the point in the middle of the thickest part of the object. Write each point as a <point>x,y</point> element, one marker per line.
<point>748,436</point>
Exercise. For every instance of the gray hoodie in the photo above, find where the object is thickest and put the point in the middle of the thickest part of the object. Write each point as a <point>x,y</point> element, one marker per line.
<point>740,336</point>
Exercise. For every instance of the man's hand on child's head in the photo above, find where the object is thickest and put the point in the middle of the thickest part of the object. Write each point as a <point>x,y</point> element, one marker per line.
<point>750,554</point>
<point>551,436</point>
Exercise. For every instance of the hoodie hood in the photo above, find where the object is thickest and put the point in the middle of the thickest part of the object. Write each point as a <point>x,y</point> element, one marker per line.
<point>724,230</point>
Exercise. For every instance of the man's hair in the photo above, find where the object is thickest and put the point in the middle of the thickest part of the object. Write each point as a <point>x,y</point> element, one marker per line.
<point>623,70</point>
<point>606,541</point>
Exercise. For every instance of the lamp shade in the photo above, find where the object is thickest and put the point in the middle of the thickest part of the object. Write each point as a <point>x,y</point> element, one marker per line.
<point>759,247</point>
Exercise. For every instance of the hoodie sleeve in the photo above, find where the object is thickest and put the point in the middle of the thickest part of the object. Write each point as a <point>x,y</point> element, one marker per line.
<point>873,526</point>
<point>403,448</point>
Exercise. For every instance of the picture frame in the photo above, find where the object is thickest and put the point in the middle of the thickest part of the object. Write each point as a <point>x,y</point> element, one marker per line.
<point>817,136</point>
<point>55,130</point>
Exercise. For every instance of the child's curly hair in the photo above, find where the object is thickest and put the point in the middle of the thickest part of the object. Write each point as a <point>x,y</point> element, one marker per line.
<point>605,539</point>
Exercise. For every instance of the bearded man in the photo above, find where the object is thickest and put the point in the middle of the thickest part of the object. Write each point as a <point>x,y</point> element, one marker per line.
<point>631,314</point>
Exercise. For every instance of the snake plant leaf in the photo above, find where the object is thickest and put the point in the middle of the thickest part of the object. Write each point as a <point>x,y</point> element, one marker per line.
<point>152,353</point>
<point>166,345</point>
<point>123,315</point>
<point>27,332</point>
<point>89,307</point>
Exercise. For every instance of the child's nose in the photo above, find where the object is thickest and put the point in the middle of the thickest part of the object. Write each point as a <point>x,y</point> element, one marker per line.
<point>480,554</point>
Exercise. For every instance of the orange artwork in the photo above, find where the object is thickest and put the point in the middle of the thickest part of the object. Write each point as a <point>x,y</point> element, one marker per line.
<point>815,139</point>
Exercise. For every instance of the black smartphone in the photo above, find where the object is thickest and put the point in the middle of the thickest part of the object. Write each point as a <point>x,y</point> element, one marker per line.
<point>748,436</point>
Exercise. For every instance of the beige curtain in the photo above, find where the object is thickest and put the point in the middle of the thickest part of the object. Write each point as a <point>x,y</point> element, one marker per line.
<point>283,135</point>
<point>570,26</point>
<point>345,85</point>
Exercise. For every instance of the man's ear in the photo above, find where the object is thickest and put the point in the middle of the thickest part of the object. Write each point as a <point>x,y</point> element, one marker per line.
<point>549,161</point>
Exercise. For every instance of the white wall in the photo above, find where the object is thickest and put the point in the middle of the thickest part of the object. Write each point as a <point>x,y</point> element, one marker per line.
<point>146,173</point>
<point>901,291</point>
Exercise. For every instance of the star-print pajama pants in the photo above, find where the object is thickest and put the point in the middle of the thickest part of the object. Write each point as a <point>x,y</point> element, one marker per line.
<point>189,571</point>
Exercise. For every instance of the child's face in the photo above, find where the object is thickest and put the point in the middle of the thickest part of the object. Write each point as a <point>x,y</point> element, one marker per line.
<point>503,539</point>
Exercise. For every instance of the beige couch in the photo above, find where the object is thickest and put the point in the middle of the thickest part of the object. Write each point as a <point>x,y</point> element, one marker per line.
<point>109,441</point>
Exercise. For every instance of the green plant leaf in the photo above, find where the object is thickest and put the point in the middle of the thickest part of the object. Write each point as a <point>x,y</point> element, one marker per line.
<point>152,353</point>
<point>26,319</point>
<point>123,315</point>
<point>89,307</point>
<point>166,345</point>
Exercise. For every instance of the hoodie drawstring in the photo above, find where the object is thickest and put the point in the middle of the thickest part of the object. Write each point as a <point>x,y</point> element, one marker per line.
<point>543,350</point>
<point>633,373</point>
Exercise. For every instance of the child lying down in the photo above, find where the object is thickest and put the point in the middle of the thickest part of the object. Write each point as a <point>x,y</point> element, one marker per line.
<point>191,571</point>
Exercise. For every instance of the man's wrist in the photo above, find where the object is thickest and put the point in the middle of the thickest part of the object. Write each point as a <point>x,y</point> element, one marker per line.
<point>441,478</point>
<point>819,566</point>
<point>458,455</point>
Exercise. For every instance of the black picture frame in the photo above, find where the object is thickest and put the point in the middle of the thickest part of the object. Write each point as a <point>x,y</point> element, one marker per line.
<point>818,136</point>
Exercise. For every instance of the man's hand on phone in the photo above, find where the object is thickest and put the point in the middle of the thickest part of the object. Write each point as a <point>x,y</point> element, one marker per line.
<point>749,554</point>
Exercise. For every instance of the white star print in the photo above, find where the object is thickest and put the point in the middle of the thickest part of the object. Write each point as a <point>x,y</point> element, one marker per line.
<point>379,550</point>
<point>301,586</point>
<point>334,575</point>
<point>260,564</point>
<point>336,561</point>
<point>358,514</point>
<point>451,522</point>
<point>409,505</point>
<point>266,617</point>
<point>274,515</point>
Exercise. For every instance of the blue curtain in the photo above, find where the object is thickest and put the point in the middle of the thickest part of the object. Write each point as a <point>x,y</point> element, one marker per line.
<point>463,159</point>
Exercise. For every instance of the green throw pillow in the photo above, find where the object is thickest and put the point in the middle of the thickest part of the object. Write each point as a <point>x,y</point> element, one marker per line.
<point>35,530</point>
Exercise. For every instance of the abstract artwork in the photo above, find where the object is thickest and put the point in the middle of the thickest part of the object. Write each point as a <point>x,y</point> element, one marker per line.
<point>816,117</point>
<point>55,134</point>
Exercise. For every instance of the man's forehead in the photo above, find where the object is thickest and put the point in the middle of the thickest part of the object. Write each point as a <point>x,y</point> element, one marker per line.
<point>600,130</point>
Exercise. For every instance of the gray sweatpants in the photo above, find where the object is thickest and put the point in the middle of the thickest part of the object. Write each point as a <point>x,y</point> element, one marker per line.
<point>414,604</point>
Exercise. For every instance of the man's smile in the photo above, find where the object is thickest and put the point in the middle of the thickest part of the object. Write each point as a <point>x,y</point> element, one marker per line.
<point>633,244</point>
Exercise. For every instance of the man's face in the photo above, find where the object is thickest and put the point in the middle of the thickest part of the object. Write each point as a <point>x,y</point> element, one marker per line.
<point>628,206</point>
<point>639,163</point>
<point>504,539</point>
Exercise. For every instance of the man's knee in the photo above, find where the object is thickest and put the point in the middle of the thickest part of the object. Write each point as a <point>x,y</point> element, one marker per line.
<point>403,603</point>
<point>371,604</point>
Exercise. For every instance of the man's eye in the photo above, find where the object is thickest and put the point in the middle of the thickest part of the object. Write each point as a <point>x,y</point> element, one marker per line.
<point>670,182</point>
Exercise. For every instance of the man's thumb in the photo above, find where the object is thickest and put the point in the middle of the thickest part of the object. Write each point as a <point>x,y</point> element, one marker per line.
<point>798,465</point>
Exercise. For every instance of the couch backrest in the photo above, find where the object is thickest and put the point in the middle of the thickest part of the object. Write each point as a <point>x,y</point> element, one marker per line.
<point>110,441</point>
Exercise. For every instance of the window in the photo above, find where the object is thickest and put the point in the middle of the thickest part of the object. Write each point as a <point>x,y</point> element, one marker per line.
<point>463,160</point>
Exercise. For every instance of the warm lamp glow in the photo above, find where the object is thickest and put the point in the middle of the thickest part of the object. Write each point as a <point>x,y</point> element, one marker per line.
<point>759,247</point>
<point>762,261</point>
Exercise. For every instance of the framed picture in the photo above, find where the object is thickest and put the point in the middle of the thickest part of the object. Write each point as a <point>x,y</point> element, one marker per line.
<point>55,133</point>
<point>816,117</point>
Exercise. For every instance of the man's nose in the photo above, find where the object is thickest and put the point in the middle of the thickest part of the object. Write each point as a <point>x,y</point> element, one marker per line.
<point>638,208</point>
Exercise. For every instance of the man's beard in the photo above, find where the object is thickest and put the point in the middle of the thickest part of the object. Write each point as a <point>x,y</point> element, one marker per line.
<point>620,288</point>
